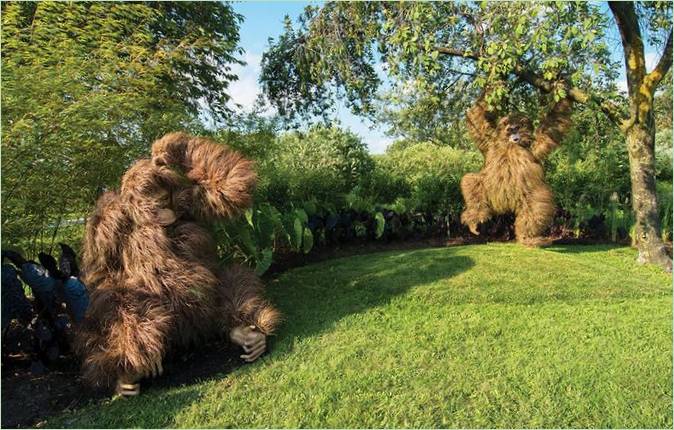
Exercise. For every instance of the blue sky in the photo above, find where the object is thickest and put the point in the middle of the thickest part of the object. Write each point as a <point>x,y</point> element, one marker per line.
<point>264,19</point>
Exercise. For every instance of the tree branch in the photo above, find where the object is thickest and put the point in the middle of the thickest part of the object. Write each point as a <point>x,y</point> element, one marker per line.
<point>612,111</point>
<point>456,53</point>
<point>576,94</point>
<point>632,44</point>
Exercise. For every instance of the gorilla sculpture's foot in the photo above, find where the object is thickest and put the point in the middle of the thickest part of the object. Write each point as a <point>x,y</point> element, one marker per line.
<point>535,242</point>
<point>127,387</point>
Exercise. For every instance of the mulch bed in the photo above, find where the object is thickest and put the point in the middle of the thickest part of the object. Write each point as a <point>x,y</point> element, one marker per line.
<point>29,397</point>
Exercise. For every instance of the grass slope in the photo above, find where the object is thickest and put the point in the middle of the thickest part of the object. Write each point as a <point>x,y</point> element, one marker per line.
<point>474,336</point>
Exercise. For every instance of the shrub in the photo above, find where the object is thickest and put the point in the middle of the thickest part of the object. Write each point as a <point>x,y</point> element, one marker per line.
<point>384,185</point>
<point>323,163</point>
<point>432,174</point>
<point>665,208</point>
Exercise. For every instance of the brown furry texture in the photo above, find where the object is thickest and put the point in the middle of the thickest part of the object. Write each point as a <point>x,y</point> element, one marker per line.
<point>512,178</point>
<point>241,297</point>
<point>224,180</point>
<point>153,273</point>
<point>105,229</point>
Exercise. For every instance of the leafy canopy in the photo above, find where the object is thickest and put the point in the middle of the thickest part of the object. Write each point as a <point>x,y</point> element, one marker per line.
<point>88,85</point>
<point>438,50</point>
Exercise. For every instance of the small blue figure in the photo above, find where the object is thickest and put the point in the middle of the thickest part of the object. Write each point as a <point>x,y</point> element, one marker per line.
<point>76,298</point>
<point>15,305</point>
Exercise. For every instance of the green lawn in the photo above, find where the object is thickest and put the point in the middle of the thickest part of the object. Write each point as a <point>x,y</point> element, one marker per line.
<point>474,336</point>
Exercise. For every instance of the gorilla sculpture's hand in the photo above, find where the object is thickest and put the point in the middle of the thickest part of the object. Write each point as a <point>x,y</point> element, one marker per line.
<point>253,341</point>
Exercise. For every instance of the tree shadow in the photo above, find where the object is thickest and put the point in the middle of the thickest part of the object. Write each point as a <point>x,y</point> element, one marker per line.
<point>133,412</point>
<point>582,248</point>
<point>309,308</point>
<point>349,287</point>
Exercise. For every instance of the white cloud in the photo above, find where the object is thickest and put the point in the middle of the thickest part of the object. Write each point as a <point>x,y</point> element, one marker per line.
<point>245,90</point>
<point>378,144</point>
<point>381,69</point>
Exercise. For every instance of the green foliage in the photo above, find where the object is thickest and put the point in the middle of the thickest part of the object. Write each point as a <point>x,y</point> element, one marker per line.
<point>381,224</point>
<point>665,208</point>
<point>385,185</point>
<point>297,71</point>
<point>323,163</point>
<point>663,154</point>
<point>261,233</point>
<point>418,114</point>
<point>429,49</point>
<point>480,336</point>
<point>86,88</point>
<point>432,174</point>
<point>663,103</point>
<point>251,133</point>
<point>589,174</point>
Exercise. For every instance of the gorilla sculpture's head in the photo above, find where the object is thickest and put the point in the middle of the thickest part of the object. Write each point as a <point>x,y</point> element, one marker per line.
<point>515,128</point>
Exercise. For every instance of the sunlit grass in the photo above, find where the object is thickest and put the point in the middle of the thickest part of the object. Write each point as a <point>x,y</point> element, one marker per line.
<point>475,336</point>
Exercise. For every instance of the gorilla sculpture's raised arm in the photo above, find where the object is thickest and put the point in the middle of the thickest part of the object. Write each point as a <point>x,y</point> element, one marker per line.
<point>223,179</point>
<point>551,131</point>
<point>481,124</point>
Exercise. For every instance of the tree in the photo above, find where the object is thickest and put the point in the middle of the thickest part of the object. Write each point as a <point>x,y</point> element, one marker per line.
<point>87,86</point>
<point>639,127</point>
<point>458,48</point>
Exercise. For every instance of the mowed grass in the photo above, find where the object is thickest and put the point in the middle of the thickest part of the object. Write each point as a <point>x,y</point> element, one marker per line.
<point>474,336</point>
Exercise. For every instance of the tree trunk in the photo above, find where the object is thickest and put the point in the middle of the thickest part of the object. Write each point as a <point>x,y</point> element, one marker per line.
<point>640,133</point>
<point>641,150</point>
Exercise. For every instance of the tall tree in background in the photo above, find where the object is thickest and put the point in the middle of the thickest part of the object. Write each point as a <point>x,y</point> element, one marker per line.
<point>456,49</point>
<point>86,88</point>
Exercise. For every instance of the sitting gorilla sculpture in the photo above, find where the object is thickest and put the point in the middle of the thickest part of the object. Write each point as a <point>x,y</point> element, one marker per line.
<point>512,178</point>
<point>151,266</point>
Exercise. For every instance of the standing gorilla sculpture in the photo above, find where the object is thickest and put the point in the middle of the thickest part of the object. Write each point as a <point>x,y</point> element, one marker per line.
<point>512,178</point>
<point>151,266</point>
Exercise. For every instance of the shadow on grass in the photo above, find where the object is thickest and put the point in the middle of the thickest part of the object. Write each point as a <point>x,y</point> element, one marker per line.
<point>134,412</point>
<point>582,248</point>
<point>313,303</point>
